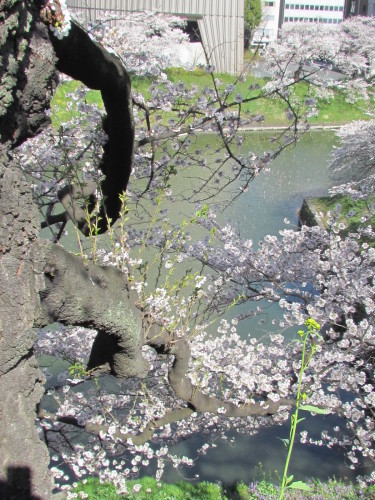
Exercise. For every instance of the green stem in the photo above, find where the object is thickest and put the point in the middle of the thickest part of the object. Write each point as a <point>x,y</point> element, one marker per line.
<point>294,419</point>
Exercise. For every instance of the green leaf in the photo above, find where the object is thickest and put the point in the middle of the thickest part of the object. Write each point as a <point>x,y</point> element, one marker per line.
<point>320,337</point>
<point>300,485</point>
<point>300,420</point>
<point>314,409</point>
<point>289,479</point>
<point>284,441</point>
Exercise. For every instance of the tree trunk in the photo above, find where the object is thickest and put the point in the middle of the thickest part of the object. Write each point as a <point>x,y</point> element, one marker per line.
<point>27,74</point>
<point>40,282</point>
<point>84,59</point>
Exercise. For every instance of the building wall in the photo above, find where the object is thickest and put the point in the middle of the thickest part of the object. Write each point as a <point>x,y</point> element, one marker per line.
<point>358,8</point>
<point>324,11</point>
<point>277,12</point>
<point>268,28</point>
<point>221,23</point>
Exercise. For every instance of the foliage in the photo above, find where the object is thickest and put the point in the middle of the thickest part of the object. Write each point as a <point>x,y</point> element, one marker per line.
<point>354,159</point>
<point>151,489</point>
<point>153,44</point>
<point>347,48</point>
<point>57,16</point>
<point>352,214</point>
<point>252,19</point>
<point>310,336</point>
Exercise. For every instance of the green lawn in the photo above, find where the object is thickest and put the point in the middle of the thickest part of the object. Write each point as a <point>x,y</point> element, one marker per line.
<point>347,211</point>
<point>148,488</point>
<point>336,111</point>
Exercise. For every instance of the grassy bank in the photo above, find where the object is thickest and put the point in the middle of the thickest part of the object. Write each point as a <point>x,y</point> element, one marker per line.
<point>149,489</point>
<point>333,112</point>
<point>353,214</point>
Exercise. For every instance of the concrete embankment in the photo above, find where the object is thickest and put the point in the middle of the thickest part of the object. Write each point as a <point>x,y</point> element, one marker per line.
<point>308,214</point>
<point>261,128</point>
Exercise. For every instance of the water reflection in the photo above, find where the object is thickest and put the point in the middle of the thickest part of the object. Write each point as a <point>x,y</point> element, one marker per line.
<point>241,461</point>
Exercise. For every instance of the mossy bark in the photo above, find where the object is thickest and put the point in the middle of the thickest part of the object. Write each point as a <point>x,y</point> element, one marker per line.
<point>41,282</point>
<point>27,69</point>
<point>82,293</point>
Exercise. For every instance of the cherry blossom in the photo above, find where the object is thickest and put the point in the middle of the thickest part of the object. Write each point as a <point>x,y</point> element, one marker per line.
<point>203,374</point>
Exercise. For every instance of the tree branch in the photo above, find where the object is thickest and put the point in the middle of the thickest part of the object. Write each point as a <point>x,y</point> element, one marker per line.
<point>86,60</point>
<point>82,293</point>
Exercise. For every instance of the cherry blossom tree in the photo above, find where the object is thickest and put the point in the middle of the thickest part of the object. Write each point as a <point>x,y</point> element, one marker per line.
<point>354,159</point>
<point>175,377</point>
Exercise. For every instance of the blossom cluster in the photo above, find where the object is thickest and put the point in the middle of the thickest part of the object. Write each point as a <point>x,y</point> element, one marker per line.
<point>348,49</point>
<point>56,14</point>
<point>69,155</point>
<point>313,272</point>
<point>154,42</point>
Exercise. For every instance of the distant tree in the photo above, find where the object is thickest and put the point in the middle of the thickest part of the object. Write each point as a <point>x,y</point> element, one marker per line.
<point>354,160</point>
<point>253,17</point>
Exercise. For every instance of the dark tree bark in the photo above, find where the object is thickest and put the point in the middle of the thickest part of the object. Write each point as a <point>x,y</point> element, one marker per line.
<point>85,60</point>
<point>41,282</point>
<point>27,70</point>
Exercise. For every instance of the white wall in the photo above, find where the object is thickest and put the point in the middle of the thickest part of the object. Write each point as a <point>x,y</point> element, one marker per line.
<point>268,29</point>
<point>221,23</point>
<point>326,11</point>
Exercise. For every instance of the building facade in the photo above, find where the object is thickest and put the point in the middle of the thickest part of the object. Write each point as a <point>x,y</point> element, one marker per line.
<point>278,12</point>
<point>359,8</point>
<point>313,11</point>
<point>268,29</point>
<point>220,23</point>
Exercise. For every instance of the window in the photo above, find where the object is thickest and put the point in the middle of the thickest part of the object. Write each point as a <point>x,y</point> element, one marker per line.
<point>336,8</point>
<point>192,29</point>
<point>270,4</point>
<point>331,7</point>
